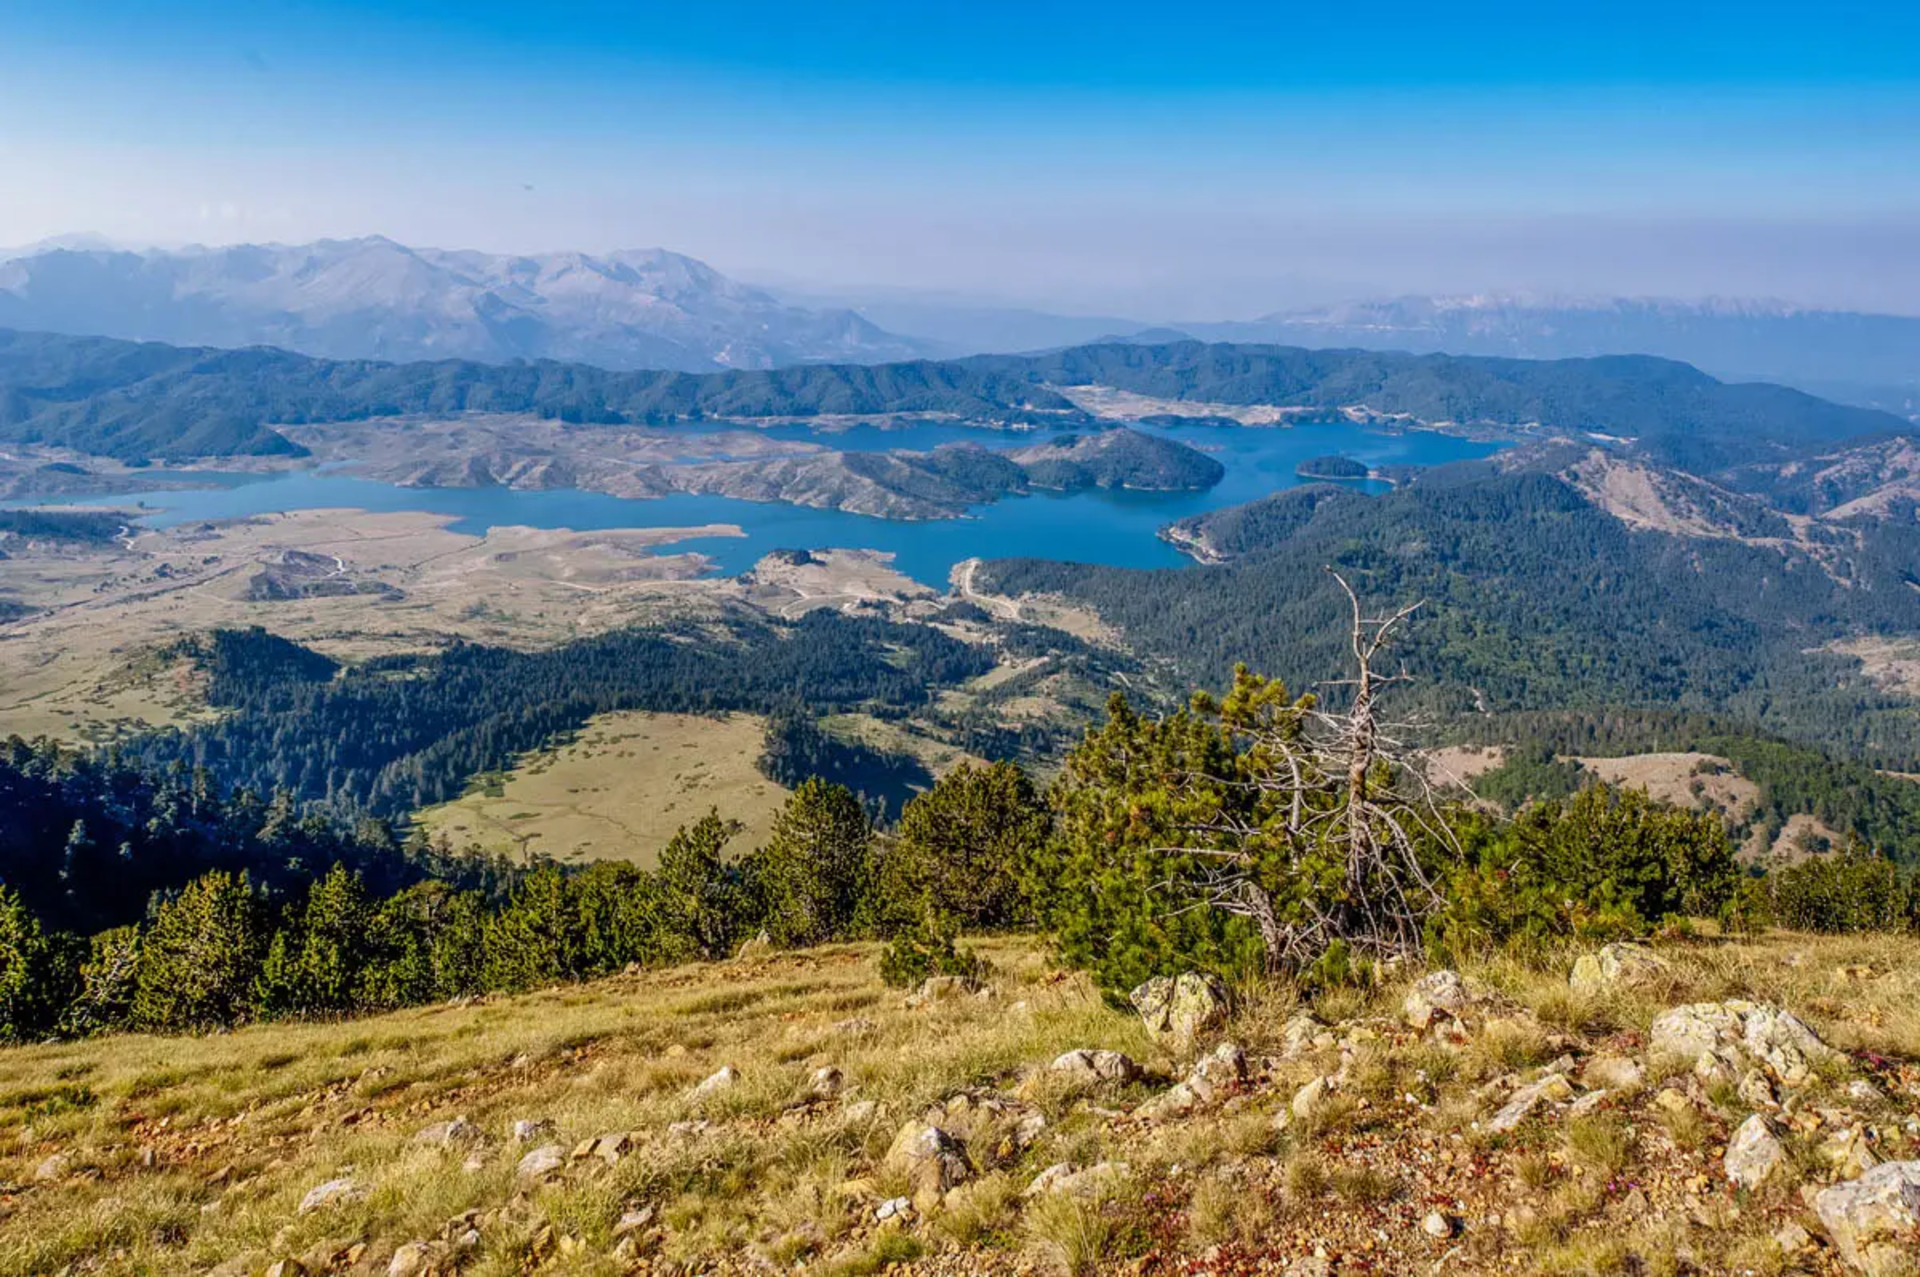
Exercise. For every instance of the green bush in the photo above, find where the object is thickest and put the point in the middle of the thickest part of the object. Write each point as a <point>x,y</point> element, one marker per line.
<point>1850,890</point>
<point>928,948</point>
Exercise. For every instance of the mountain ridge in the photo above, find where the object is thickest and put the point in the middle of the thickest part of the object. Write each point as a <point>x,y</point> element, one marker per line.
<point>373,297</point>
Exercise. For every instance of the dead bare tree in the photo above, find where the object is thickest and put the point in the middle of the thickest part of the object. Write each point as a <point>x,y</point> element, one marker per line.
<point>1316,824</point>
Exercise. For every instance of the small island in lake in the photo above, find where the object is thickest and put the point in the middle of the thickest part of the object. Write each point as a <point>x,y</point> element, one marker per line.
<point>1331,468</point>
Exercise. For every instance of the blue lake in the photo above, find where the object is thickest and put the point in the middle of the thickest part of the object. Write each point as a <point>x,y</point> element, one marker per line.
<point>1116,528</point>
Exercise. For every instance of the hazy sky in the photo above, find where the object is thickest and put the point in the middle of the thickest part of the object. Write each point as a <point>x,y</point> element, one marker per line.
<point>1155,160</point>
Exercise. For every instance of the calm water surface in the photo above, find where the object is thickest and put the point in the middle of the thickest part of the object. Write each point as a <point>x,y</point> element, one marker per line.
<point>1116,528</point>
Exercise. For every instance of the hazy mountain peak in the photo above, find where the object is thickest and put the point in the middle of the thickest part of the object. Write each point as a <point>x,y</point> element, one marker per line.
<point>372,297</point>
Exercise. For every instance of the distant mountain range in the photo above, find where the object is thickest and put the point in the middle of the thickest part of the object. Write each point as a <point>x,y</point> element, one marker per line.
<point>375,299</point>
<point>1867,359</point>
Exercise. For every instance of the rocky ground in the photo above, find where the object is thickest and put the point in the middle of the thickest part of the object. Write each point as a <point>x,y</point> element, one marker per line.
<point>1699,1106</point>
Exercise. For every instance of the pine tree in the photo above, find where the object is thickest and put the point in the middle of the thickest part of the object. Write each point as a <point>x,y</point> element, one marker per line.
<point>700,895</point>
<point>811,873</point>
<point>200,956</point>
<point>26,1003</point>
<point>960,845</point>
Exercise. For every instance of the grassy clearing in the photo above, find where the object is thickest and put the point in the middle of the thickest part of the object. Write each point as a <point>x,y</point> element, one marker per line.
<point>618,790</point>
<point>180,1155</point>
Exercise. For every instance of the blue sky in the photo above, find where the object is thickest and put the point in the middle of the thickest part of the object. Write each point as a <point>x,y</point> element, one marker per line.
<point>1154,160</point>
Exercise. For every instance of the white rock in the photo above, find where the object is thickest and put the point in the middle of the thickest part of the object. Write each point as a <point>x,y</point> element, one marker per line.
<point>1753,1154</point>
<point>1311,1096</point>
<point>541,1162</point>
<point>335,1192</point>
<point>1095,1067</point>
<point>447,1134</point>
<point>413,1259</point>
<point>529,1129</point>
<point>826,1083</point>
<point>1619,966</point>
<point>1436,1225</point>
<point>1527,1099</point>
<point>1435,996</point>
<point>894,1208</point>
<point>1183,1008</point>
<point>1872,1220</point>
<point>715,1083</point>
<point>932,1160</point>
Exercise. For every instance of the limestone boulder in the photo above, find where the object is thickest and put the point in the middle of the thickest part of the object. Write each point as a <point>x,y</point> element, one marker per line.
<point>1095,1068</point>
<point>1181,1009</point>
<point>1436,998</point>
<point>1873,1220</point>
<point>1754,1154</point>
<point>1619,966</point>
<point>932,1160</point>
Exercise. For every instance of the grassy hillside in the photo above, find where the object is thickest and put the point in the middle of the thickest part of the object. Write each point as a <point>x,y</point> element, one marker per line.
<point>617,790</point>
<point>135,1154</point>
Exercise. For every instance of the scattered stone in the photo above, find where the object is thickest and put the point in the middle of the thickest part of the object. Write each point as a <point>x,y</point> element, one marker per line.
<point>1619,966</point>
<point>1792,1238</point>
<point>1587,1103</point>
<point>334,1192</point>
<point>1437,1226</point>
<point>894,1208</point>
<point>1848,1152</point>
<point>633,1221</point>
<point>1093,1068</point>
<point>1757,1092</point>
<point>541,1162</point>
<point>1672,1101</point>
<point>1612,1073</point>
<point>1436,997</point>
<point>715,1083</point>
<point>1180,1009</point>
<point>1865,1093</point>
<point>826,1083</point>
<point>415,1259</point>
<point>53,1168</point>
<point>1753,1154</point>
<point>286,1268</point>
<point>861,1111</point>
<point>1529,1097</point>
<point>1872,1219</point>
<point>932,1160</point>
<point>852,1028</point>
<point>529,1129</point>
<point>1310,1097</point>
<point>1224,1066</point>
<point>449,1134</point>
<point>1303,1033</point>
<point>689,1130</point>
<point>1097,1180</point>
<point>610,1148</point>
<point>939,988</point>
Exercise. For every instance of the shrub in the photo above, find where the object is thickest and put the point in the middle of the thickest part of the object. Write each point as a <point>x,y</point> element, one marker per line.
<point>1850,890</point>
<point>928,948</point>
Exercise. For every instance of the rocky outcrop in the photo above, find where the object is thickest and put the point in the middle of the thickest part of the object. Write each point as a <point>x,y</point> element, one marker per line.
<point>1734,1035</point>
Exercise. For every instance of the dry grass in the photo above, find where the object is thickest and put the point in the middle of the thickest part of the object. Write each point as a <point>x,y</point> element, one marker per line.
<point>193,1154</point>
<point>619,789</point>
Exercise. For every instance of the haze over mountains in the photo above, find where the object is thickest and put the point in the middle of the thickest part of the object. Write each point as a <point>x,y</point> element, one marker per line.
<point>375,299</point>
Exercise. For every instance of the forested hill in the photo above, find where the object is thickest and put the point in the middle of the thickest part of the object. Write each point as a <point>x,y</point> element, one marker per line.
<point>133,400</point>
<point>1536,598</point>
